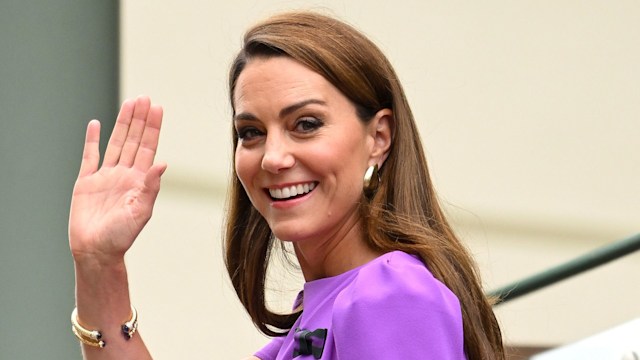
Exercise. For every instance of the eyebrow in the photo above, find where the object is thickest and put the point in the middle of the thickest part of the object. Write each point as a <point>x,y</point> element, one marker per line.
<point>285,111</point>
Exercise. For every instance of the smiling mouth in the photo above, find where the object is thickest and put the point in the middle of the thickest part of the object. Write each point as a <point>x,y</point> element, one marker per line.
<point>291,192</point>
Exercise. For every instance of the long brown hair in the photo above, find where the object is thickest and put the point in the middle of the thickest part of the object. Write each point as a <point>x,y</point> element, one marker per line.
<point>405,216</point>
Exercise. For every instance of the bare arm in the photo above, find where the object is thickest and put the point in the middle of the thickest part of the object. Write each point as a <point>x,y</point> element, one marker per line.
<point>109,208</point>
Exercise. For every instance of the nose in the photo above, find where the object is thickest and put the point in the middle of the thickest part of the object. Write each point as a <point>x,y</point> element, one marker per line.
<point>277,155</point>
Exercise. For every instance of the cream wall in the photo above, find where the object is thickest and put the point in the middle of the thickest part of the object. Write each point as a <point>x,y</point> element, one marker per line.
<point>529,112</point>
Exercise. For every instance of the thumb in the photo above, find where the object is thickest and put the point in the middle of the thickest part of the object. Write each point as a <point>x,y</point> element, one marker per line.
<point>152,178</point>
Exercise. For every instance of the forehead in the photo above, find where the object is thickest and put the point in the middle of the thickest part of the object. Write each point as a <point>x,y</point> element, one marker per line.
<point>279,79</point>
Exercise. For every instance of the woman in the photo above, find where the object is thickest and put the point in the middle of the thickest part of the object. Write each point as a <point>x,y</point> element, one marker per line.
<point>316,106</point>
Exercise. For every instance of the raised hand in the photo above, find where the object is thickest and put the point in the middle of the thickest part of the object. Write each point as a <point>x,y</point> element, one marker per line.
<point>111,204</point>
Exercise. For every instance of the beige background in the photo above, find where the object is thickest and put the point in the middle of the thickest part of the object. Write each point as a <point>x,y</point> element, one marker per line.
<point>529,111</point>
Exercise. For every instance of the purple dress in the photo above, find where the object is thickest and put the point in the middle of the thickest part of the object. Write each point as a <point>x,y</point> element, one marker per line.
<point>389,308</point>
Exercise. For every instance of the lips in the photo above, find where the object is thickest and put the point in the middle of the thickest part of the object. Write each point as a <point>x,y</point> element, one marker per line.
<point>292,191</point>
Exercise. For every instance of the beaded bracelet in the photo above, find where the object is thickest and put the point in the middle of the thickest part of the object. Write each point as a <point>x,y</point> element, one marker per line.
<point>94,337</point>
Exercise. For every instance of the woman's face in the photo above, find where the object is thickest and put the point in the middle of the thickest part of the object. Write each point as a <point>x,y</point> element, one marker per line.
<point>302,151</point>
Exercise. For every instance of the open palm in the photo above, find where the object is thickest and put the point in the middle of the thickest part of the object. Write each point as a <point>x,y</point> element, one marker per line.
<point>112,203</point>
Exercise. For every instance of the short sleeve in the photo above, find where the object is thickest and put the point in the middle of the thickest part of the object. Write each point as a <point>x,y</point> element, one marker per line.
<point>398,310</point>
<point>270,351</point>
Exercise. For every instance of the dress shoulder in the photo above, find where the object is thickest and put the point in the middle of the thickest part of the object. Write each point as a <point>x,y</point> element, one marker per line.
<point>395,308</point>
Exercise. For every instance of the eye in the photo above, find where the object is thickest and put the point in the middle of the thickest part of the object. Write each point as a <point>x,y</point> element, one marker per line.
<point>248,133</point>
<point>308,124</point>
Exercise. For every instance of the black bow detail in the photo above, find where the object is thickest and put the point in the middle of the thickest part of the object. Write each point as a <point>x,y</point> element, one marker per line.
<point>309,342</point>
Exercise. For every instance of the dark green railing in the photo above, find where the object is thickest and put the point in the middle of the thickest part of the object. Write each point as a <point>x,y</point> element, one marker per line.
<point>576,266</point>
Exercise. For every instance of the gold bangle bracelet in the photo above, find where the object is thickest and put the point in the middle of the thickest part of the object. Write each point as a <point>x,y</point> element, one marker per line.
<point>91,334</point>
<point>88,341</point>
<point>94,337</point>
<point>129,328</point>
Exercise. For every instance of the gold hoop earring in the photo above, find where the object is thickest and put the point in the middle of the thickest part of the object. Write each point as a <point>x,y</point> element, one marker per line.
<point>371,180</point>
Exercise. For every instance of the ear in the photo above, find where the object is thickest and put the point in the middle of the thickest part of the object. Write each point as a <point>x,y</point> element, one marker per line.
<point>381,131</point>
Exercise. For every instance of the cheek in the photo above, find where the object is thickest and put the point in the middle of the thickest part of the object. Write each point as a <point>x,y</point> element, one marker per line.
<point>245,167</point>
<point>358,153</point>
<point>347,170</point>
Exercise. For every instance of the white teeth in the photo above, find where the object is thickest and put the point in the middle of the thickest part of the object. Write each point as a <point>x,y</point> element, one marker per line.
<point>291,191</point>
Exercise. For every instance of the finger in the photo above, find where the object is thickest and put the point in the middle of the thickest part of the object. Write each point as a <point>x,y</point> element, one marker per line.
<point>136,128</point>
<point>119,134</point>
<point>149,142</point>
<point>91,152</point>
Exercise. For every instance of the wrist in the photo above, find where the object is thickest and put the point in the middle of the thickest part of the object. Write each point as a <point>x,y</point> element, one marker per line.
<point>101,284</point>
<point>97,260</point>
<point>102,298</point>
<point>100,273</point>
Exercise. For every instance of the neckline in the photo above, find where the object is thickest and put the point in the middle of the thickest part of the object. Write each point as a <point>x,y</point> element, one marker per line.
<point>316,285</point>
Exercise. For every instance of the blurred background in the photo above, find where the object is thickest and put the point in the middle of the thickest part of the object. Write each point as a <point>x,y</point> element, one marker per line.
<point>529,112</point>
